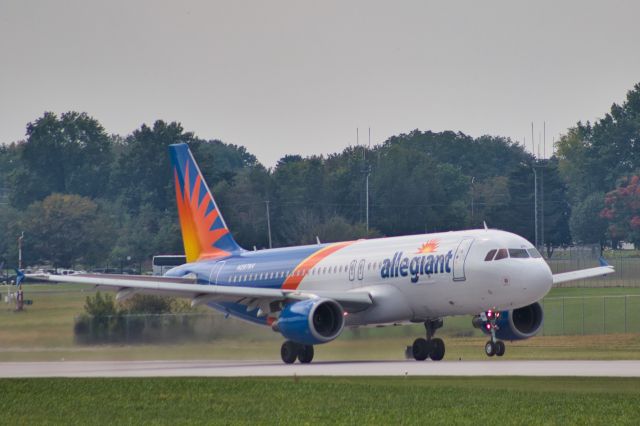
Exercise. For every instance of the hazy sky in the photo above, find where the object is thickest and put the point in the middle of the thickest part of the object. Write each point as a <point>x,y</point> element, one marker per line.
<point>300,76</point>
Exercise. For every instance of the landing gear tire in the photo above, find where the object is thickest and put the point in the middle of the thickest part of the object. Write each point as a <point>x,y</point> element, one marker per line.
<point>289,352</point>
<point>421,349</point>
<point>490,348</point>
<point>305,354</point>
<point>500,348</point>
<point>437,349</point>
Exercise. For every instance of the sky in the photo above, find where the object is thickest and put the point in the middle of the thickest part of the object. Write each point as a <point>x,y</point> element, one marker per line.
<point>299,77</point>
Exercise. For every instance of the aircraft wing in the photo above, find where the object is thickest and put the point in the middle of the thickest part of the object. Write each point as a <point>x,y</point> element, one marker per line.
<point>128,285</point>
<point>605,269</point>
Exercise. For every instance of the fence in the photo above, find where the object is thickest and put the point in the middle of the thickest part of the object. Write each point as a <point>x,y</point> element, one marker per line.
<point>157,328</point>
<point>591,315</point>
<point>563,316</point>
<point>627,269</point>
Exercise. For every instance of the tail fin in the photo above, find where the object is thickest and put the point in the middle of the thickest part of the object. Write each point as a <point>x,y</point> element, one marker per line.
<point>204,233</point>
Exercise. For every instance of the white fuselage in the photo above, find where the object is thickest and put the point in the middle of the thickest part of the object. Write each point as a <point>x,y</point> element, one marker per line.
<point>419,277</point>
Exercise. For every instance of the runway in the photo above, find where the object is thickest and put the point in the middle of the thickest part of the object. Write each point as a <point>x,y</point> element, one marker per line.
<point>361,368</point>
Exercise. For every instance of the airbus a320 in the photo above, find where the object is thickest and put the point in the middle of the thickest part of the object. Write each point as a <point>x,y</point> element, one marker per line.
<point>309,294</point>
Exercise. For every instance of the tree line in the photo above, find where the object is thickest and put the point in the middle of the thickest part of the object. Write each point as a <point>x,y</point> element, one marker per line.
<point>84,197</point>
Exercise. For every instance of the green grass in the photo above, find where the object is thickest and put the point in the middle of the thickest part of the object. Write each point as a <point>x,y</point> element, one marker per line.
<point>302,400</point>
<point>45,332</point>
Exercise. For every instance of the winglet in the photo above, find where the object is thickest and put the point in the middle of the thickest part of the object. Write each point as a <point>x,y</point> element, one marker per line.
<point>603,262</point>
<point>205,234</point>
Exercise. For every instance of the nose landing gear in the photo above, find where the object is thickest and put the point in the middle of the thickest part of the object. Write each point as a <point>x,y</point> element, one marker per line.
<point>493,346</point>
<point>430,347</point>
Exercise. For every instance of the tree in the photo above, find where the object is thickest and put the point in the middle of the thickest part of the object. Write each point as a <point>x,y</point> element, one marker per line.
<point>70,154</point>
<point>412,193</point>
<point>9,232</point>
<point>622,211</point>
<point>242,200</point>
<point>593,157</point>
<point>65,229</point>
<point>587,224</point>
<point>557,211</point>
<point>143,173</point>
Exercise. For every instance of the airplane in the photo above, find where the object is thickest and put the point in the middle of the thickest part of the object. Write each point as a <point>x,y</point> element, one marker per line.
<point>310,293</point>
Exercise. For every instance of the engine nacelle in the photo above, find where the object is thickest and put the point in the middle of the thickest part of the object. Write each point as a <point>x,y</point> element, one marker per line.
<point>311,321</point>
<point>516,324</point>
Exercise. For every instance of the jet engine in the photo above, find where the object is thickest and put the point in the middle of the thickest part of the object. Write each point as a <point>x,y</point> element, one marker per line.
<point>516,324</point>
<point>311,321</point>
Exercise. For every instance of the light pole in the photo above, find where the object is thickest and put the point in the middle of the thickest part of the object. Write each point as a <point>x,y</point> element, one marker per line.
<point>268,222</point>
<point>20,238</point>
<point>535,204</point>
<point>473,181</point>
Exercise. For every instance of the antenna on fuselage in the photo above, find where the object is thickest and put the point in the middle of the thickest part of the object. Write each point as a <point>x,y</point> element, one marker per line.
<point>318,240</point>
<point>486,228</point>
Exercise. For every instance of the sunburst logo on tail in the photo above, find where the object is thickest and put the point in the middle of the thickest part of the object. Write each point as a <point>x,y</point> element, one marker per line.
<point>204,233</point>
<point>428,247</point>
<point>198,219</point>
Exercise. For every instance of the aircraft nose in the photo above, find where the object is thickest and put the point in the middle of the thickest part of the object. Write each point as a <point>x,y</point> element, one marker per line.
<point>539,279</point>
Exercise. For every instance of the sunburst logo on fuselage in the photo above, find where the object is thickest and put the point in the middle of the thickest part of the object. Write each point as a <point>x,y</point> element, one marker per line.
<point>428,247</point>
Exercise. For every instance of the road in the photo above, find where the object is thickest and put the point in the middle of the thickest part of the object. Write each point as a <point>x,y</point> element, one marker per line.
<point>361,368</point>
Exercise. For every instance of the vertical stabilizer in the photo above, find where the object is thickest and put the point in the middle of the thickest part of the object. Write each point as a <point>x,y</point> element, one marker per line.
<point>204,233</point>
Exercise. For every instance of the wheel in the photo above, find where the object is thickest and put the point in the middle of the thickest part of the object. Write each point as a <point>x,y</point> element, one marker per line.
<point>421,349</point>
<point>289,352</point>
<point>305,354</point>
<point>490,348</point>
<point>500,348</point>
<point>437,349</point>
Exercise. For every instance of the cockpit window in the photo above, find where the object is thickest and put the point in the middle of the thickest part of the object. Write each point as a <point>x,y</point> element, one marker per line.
<point>533,252</point>
<point>518,253</point>
<point>502,254</point>
<point>490,255</point>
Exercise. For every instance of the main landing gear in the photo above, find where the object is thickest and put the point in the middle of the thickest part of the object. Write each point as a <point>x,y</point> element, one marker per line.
<point>493,346</point>
<point>291,351</point>
<point>429,347</point>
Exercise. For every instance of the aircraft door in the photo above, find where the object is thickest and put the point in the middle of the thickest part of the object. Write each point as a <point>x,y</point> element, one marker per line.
<point>460,257</point>
<point>352,270</point>
<point>361,270</point>
<point>215,272</point>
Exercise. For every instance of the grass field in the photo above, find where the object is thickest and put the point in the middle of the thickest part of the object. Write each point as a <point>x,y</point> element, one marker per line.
<point>45,332</point>
<point>302,400</point>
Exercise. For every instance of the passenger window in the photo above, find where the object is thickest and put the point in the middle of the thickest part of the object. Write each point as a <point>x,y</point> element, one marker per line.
<point>533,252</point>
<point>490,255</point>
<point>502,254</point>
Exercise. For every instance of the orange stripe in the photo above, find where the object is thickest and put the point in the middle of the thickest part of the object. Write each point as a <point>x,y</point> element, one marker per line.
<point>293,281</point>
